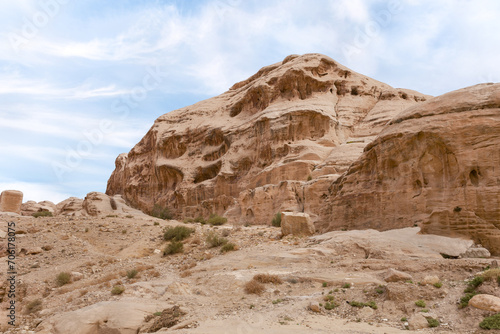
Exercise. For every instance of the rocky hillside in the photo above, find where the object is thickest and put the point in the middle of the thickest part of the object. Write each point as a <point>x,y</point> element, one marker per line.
<point>436,165</point>
<point>273,142</point>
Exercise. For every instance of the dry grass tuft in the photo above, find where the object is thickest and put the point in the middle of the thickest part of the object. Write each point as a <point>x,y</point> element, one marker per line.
<point>254,287</point>
<point>267,278</point>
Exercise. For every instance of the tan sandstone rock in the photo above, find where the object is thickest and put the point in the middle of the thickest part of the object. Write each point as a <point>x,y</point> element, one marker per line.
<point>296,223</point>
<point>124,316</point>
<point>393,275</point>
<point>485,302</point>
<point>11,201</point>
<point>430,280</point>
<point>417,321</point>
<point>435,165</point>
<point>31,207</point>
<point>271,143</point>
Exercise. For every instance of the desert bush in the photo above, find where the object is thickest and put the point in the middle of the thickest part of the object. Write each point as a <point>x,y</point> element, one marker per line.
<point>464,301</point>
<point>267,278</point>
<point>228,247</point>
<point>63,278</point>
<point>371,304</point>
<point>346,286</point>
<point>491,274</point>
<point>200,220</point>
<point>132,273</point>
<point>254,287</point>
<point>173,247</point>
<point>432,322</point>
<point>215,240</point>
<point>216,220</point>
<point>473,284</point>
<point>161,212</point>
<point>438,285</point>
<point>330,305</point>
<point>34,306</point>
<point>420,303</point>
<point>276,221</point>
<point>492,322</point>
<point>177,233</point>
<point>117,290</point>
<point>42,214</point>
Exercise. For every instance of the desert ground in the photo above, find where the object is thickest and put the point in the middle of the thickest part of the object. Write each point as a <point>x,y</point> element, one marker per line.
<point>309,274</point>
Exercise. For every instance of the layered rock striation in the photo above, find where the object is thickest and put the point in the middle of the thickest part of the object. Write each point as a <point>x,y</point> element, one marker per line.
<point>436,165</point>
<point>273,142</point>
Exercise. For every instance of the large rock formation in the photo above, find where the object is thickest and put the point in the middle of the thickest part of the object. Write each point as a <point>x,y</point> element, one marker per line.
<point>273,142</point>
<point>436,164</point>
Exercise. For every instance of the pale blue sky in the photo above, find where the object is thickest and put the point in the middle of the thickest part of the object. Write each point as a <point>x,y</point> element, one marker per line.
<point>83,80</point>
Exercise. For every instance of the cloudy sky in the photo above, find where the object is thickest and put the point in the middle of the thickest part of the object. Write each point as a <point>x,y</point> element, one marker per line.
<point>82,81</point>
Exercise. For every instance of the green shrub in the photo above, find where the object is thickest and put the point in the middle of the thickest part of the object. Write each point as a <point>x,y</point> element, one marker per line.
<point>420,303</point>
<point>380,289</point>
<point>228,247</point>
<point>117,290</point>
<point>330,305</point>
<point>492,322</point>
<point>63,278</point>
<point>371,304</point>
<point>324,284</point>
<point>42,214</point>
<point>215,240</point>
<point>464,301</point>
<point>34,306</point>
<point>432,322</point>
<point>277,301</point>
<point>216,220</point>
<point>438,285</point>
<point>276,221</point>
<point>404,319</point>
<point>200,220</point>
<point>177,233</point>
<point>132,273</point>
<point>161,212</point>
<point>173,247</point>
<point>474,284</point>
<point>346,286</point>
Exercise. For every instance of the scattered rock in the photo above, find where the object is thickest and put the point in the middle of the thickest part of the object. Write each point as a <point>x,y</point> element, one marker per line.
<point>485,302</point>
<point>366,313</point>
<point>76,276</point>
<point>417,321</point>
<point>296,223</point>
<point>393,275</point>
<point>314,306</point>
<point>494,264</point>
<point>430,280</point>
<point>33,251</point>
<point>476,252</point>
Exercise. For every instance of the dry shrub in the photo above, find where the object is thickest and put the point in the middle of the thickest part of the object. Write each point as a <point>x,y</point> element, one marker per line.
<point>254,287</point>
<point>188,266</point>
<point>144,267</point>
<point>267,278</point>
<point>33,306</point>
<point>168,318</point>
<point>186,273</point>
<point>155,273</point>
<point>83,292</point>
<point>106,278</point>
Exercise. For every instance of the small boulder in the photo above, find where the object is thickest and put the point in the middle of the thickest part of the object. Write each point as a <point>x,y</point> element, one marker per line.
<point>76,276</point>
<point>494,264</point>
<point>296,223</point>
<point>430,280</point>
<point>314,306</point>
<point>366,313</point>
<point>485,302</point>
<point>34,250</point>
<point>417,321</point>
<point>477,252</point>
<point>393,275</point>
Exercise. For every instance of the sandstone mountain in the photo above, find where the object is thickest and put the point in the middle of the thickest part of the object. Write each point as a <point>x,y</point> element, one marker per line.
<point>436,164</point>
<point>273,142</point>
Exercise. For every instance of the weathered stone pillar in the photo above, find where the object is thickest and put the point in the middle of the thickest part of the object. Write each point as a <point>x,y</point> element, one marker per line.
<point>11,200</point>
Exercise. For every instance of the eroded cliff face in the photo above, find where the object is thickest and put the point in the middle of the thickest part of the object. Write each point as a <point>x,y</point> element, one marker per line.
<point>275,141</point>
<point>436,165</point>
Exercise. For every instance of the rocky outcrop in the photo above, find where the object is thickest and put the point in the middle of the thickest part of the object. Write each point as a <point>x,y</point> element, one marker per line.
<point>273,142</point>
<point>435,165</point>
<point>10,201</point>
<point>30,207</point>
